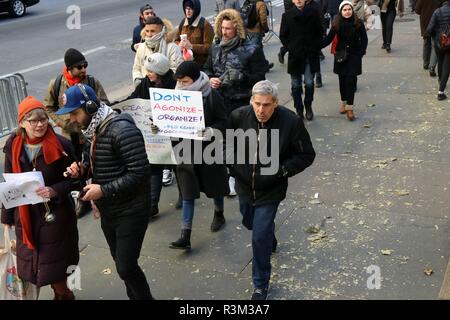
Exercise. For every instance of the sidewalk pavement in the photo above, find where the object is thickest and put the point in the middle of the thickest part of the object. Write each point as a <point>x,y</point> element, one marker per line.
<point>382,204</point>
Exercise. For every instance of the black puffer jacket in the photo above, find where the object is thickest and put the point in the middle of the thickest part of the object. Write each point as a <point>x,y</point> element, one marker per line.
<point>122,169</point>
<point>439,20</point>
<point>295,150</point>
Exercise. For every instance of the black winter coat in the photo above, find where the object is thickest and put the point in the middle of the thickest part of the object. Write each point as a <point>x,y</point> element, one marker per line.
<point>296,153</point>
<point>301,32</point>
<point>246,58</point>
<point>211,179</point>
<point>121,168</point>
<point>137,34</point>
<point>356,40</point>
<point>56,243</point>
<point>439,19</point>
<point>333,7</point>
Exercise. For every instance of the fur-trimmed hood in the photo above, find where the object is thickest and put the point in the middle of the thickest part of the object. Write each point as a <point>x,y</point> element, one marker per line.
<point>235,17</point>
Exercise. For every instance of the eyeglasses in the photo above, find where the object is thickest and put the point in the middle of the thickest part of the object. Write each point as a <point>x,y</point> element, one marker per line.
<point>81,66</point>
<point>34,123</point>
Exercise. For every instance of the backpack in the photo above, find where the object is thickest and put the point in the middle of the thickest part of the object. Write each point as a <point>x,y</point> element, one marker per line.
<point>57,87</point>
<point>249,14</point>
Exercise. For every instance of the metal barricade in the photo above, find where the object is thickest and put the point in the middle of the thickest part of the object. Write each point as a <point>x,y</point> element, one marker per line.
<point>271,33</point>
<point>13,89</point>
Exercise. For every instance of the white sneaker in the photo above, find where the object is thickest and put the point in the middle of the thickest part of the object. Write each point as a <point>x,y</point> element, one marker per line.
<point>231,183</point>
<point>167,177</point>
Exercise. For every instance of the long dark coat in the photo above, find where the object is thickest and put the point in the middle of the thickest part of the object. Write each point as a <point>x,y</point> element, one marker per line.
<point>301,32</point>
<point>210,179</point>
<point>57,242</point>
<point>425,9</point>
<point>356,41</point>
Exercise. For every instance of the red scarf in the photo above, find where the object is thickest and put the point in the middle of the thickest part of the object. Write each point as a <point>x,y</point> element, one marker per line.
<point>52,150</point>
<point>70,79</point>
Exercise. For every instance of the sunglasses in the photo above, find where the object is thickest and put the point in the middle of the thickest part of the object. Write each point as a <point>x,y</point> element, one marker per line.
<point>81,66</point>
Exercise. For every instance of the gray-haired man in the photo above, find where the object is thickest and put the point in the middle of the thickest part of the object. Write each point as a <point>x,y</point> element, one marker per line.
<point>260,193</point>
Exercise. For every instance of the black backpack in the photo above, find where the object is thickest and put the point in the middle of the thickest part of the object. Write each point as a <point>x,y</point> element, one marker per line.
<point>57,87</point>
<point>249,14</point>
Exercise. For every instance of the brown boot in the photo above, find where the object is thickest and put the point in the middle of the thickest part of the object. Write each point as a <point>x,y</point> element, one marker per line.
<point>342,107</point>
<point>350,114</point>
<point>61,291</point>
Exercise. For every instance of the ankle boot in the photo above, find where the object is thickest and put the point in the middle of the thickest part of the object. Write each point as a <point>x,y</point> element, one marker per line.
<point>184,242</point>
<point>218,221</point>
<point>342,107</point>
<point>350,114</point>
<point>309,113</point>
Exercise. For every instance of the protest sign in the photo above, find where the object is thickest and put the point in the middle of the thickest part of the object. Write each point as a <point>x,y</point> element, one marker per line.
<point>159,148</point>
<point>178,113</point>
<point>20,189</point>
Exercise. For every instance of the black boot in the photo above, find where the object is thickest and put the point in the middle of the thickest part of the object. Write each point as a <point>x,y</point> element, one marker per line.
<point>309,112</point>
<point>319,80</point>
<point>388,47</point>
<point>218,221</point>
<point>154,211</point>
<point>184,242</point>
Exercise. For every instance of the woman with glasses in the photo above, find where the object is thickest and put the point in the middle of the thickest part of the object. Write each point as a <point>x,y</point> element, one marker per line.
<point>45,247</point>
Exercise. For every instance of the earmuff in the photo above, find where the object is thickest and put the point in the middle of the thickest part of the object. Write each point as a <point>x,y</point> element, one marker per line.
<point>90,106</point>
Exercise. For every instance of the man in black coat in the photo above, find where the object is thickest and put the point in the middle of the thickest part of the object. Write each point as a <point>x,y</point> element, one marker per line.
<point>301,32</point>
<point>262,185</point>
<point>146,12</point>
<point>120,171</point>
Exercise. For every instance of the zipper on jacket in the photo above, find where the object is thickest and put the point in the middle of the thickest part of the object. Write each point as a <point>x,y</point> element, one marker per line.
<point>260,126</point>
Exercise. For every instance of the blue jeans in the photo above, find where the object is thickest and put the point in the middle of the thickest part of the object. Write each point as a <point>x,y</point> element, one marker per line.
<point>260,219</point>
<point>297,89</point>
<point>187,213</point>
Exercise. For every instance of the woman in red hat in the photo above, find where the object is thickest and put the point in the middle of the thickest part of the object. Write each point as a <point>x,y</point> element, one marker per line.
<point>45,248</point>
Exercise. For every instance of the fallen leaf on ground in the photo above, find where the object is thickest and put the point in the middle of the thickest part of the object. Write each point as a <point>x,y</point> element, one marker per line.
<point>317,237</point>
<point>428,271</point>
<point>107,271</point>
<point>386,252</point>
<point>313,229</point>
<point>401,192</point>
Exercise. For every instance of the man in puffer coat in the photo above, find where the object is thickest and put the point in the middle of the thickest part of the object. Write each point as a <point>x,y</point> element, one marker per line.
<point>120,173</point>
<point>234,65</point>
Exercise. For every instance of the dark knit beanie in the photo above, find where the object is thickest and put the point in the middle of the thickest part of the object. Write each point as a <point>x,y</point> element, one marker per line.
<point>73,57</point>
<point>188,69</point>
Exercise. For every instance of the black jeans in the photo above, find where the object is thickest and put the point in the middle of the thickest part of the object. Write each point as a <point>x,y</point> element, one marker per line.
<point>443,68</point>
<point>387,23</point>
<point>347,87</point>
<point>125,236</point>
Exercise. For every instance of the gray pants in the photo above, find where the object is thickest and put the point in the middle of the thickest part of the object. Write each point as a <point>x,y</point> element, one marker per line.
<point>429,53</point>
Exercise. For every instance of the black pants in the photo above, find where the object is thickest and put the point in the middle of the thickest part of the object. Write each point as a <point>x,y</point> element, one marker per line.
<point>347,87</point>
<point>443,68</point>
<point>387,23</point>
<point>156,182</point>
<point>125,236</point>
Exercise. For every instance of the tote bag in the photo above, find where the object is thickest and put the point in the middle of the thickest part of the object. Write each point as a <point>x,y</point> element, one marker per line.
<point>11,286</point>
